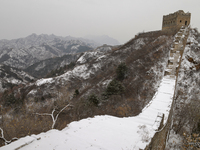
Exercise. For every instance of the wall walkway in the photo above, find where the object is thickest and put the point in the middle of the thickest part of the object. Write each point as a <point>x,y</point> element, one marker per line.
<point>175,56</point>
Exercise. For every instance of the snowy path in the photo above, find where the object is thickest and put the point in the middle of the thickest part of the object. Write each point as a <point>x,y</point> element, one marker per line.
<point>106,132</point>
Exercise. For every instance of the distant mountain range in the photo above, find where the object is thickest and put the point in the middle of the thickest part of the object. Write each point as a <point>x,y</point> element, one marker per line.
<point>36,56</point>
<point>104,39</point>
<point>24,52</point>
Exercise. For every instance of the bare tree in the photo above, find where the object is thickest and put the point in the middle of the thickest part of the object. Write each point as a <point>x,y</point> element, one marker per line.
<point>54,117</point>
<point>6,141</point>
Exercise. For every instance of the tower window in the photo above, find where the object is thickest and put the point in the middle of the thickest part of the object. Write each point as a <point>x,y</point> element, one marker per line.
<point>180,20</point>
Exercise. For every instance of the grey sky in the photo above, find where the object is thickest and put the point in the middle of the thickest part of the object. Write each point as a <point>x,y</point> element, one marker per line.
<point>120,19</point>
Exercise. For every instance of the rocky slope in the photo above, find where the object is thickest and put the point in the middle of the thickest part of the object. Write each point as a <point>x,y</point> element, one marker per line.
<point>185,119</point>
<point>10,77</point>
<point>59,65</point>
<point>43,68</point>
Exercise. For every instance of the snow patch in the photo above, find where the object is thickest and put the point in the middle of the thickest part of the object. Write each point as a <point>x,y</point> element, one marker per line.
<point>14,81</point>
<point>191,39</point>
<point>139,43</point>
<point>40,66</point>
<point>75,47</point>
<point>81,60</point>
<point>44,81</point>
<point>174,141</point>
<point>32,92</point>
<point>106,82</point>
<point>81,71</point>
<point>103,56</point>
<point>87,55</point>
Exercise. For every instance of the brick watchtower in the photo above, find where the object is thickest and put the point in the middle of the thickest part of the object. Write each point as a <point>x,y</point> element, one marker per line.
<point>176,20</point>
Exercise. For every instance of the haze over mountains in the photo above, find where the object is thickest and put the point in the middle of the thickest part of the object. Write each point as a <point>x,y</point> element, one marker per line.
<point>23,52</point>
<point>104,39</point>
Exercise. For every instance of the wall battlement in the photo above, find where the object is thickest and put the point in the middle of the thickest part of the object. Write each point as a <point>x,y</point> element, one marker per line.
<point>176,20</point>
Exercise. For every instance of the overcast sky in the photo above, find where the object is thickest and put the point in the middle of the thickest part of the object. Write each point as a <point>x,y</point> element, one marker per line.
<point>120,19</point>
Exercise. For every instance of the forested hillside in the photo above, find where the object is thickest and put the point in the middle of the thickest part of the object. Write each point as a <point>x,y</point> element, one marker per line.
<point>118,82</point>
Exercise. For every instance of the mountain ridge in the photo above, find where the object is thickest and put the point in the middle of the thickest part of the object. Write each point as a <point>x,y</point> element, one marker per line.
<point>23,52</point>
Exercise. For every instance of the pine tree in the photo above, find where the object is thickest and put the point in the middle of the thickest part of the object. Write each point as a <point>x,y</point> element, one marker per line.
<point>121,71</point>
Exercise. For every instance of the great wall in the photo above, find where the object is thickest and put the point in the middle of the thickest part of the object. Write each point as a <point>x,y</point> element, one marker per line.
<point>176,20</point>
<point>158,142</point>
<point>155,119</point>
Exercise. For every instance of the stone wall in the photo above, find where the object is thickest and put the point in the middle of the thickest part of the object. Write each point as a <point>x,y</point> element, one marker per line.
<point>148,34</point>
<point>158,142</point>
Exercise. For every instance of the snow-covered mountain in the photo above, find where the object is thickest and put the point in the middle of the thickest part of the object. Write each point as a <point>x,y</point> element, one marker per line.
<point>43,68</point>
<point>10,77</point>
<point>23,52</point>
<point>59,65</point>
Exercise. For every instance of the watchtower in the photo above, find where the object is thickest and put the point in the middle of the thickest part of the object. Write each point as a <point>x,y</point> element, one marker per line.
<point>176,20</point>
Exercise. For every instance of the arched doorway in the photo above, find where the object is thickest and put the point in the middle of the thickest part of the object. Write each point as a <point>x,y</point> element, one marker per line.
<point>185,22</point>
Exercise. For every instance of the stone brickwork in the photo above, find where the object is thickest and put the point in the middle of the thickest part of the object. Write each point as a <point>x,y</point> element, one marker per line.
<point>176,20</point>
<point>158,142</point>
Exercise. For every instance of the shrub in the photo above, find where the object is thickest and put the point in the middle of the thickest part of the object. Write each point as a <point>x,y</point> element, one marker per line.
<point>76,93</point>
<point>115,88</point>
<point>121,71</point>
<point>191,142</point>
<point>10,100</point>
<point>42,98</point>
<point>71,65</point>
<point>104,96</point>
<point>93,99</point>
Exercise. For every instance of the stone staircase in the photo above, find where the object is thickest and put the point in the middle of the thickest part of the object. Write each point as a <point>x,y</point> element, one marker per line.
<point>176,52</point>
<point>171,72</point>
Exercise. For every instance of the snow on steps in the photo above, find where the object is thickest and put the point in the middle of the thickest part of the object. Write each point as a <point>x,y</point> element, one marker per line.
<point>106,132</point>
<point>175,51</point>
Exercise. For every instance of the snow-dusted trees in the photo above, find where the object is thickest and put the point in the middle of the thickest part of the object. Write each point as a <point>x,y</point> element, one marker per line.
<point>121,71</point>
<point>93,99</point>
<point>76,93</point>
<point>115,88</point>
<point>53,116</point>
